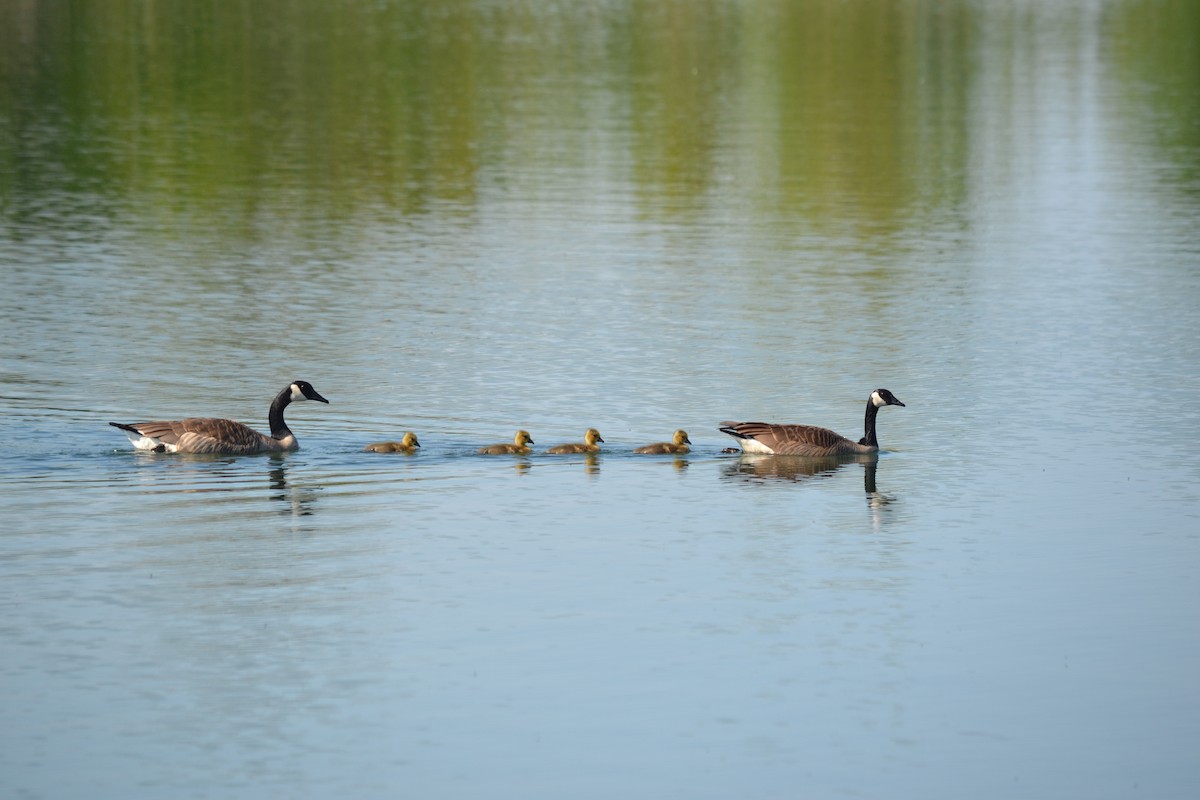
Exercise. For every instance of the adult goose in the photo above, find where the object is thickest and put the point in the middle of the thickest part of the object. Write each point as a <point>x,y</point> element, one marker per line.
<point>678,444</point>
<point>407,444</point>
<point>809,440</point>
<point>209,435</point>
<point>588,445</point>
<point>519,446</point>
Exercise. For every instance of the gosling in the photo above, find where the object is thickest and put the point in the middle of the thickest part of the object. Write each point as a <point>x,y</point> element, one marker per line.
<point>408,444</point>
<point>588,445</point>
<point>679,445</point>
<point>519,446</point>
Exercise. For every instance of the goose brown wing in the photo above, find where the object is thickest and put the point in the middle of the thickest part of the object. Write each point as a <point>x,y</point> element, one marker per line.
<point>791,440</point>
<point>807,440</point>
<point>203,435</point>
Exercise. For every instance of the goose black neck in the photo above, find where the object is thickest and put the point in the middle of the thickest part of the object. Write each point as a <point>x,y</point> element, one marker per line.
<point>279,428</point>
<point>869,425</point>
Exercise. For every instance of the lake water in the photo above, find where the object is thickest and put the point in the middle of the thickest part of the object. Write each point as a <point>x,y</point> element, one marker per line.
<point>461,219</point>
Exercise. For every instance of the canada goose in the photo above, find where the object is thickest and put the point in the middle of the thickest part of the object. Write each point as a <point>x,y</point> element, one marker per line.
<point>678,445</point>
<point>519,446</point>
<point>407,444</point>
<point>588,445</point>
<point>208,435</point>
<point>809,440</point>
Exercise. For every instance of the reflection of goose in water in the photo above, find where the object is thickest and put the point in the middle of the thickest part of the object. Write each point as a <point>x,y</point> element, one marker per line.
<point>797,469</point>
<point>298,500</point>
<point>810,440</point>
<point>762,470</point>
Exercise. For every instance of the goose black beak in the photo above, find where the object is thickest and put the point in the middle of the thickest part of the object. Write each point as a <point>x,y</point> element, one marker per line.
<point>317,397</point>
<point>896,402</point>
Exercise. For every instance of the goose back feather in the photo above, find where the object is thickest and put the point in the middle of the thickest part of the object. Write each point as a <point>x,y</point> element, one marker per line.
<point>791,440</point>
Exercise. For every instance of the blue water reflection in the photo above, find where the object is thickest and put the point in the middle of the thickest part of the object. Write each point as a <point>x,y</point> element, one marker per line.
<point>464,219</point>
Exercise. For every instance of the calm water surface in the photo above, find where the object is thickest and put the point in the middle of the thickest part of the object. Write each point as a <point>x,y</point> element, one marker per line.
<point>460,219</point>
